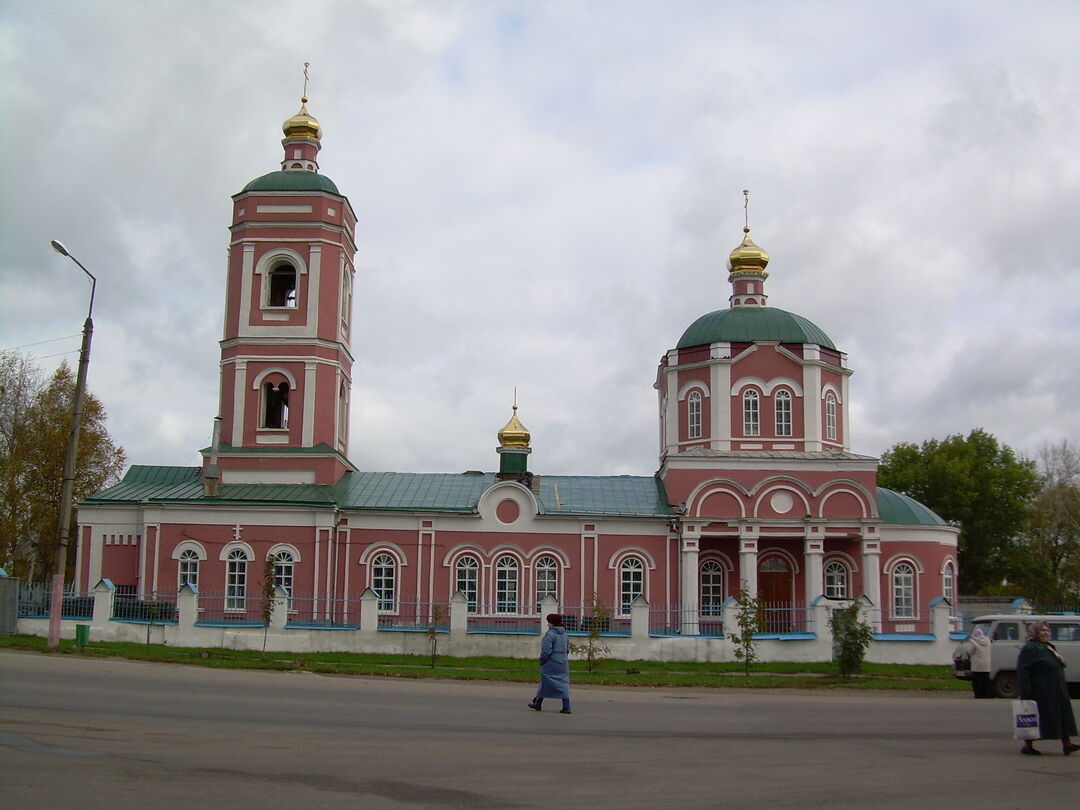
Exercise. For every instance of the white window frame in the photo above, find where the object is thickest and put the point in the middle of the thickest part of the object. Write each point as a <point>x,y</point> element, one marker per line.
<point>384,581</point>
<point>236,580</point>
<point>782,412</point>
<point>837,580</point>
<point>693,415</point>
<point>751,413</point>
<point>830,417</point>
<point>546,574</point>
<point>188,568</point>
<point>467,580</point>
<point>712,579</point>
<point>291,302</point>
<point>507,584</point>
<point>631,582</point>
<point>948,582</point>
<point>903,579</point>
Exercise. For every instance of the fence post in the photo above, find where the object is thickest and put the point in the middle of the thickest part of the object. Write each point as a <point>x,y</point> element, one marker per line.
<point>369,610</point>
<point>279,610</point>
<point>187,605</point>
<point>727,617</point>
<point>104,596</point>
<point>459,614</point>
<point>549,604</point>
<point>639,618</point>
<point>939,617</point>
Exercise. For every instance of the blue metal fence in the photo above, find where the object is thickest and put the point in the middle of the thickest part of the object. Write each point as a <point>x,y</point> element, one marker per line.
<point>35,601</point>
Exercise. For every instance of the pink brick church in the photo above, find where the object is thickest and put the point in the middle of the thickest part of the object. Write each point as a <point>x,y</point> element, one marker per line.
<point>757,486</point>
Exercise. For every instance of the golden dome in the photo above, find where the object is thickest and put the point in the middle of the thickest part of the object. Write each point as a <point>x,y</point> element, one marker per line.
<point>514,433</point>
<point>302,125</point>
<point>748,257</point>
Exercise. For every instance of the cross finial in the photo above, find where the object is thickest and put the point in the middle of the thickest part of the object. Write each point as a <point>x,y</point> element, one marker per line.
<point>303,98</point>
<point>515,397</point>
<point>746,210</point>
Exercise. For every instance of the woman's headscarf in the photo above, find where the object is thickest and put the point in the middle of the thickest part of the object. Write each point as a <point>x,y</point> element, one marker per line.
<point>977,631</point>
<point>1033,630</point>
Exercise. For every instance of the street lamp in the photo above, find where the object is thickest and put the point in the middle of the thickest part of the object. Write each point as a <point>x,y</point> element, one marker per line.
<point>67,494</point>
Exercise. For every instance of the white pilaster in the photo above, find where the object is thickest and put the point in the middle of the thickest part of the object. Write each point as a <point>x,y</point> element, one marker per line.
<point>239,400</point>
<point>814,553</point>
<point>748,551</point>
<point>307,438</point>
<point>688,575</point>
<point>314,266</point>
<point>812,407</point>
<point>871,572</point>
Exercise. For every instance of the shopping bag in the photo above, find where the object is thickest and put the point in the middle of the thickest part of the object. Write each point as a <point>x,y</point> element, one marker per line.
<point>1025,720</point>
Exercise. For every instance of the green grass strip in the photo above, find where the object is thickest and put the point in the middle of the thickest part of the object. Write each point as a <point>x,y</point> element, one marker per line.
<point>609,672</point>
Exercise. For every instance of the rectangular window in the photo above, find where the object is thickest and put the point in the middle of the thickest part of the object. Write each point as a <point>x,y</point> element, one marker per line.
<point>693,415</point>
<point>751,416</point>
<point>235,585</point>
<point>466,583</point>
<point>506,590</point>
<point>830,418</point>
<point>783,415</point>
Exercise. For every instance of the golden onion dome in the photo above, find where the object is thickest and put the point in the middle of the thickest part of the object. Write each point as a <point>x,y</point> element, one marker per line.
<point>302,125</point>
<point>514,433</point>
<point>748,257</point>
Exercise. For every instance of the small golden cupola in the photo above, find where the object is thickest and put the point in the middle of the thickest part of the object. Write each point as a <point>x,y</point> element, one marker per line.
<point>746,268</point>
<point>514,451</point>
<point>303,137</point>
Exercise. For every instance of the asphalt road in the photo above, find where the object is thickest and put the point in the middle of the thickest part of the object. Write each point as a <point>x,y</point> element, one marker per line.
<point>107,733</point>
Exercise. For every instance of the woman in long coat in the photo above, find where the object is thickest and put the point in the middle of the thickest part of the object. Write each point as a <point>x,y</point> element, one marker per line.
<point>554,665</point>
<point>979,649</point>
<point>1042,679</point>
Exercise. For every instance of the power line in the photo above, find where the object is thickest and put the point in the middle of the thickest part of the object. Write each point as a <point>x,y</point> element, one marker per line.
<point>40,342</point>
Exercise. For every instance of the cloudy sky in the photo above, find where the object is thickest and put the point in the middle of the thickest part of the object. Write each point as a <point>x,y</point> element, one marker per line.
<point>547,194</point>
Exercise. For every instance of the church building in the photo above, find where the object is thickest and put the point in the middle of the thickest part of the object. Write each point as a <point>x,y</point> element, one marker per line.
<point>757,487</point>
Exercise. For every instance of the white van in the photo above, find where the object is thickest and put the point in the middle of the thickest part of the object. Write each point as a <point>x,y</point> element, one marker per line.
<point>1008,633</point>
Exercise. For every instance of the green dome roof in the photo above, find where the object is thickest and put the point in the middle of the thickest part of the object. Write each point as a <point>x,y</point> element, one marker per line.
<point>292,181</point>
<point>901,510</point>
<point>747,324</point>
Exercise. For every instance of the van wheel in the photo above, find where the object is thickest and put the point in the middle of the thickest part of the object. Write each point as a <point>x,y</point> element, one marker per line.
<point>1006,686</point>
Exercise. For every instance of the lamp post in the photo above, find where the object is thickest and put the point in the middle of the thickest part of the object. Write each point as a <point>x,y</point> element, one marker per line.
<point>67,494</point>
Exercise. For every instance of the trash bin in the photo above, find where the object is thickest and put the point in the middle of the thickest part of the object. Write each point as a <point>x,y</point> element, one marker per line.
<point>82,635</point>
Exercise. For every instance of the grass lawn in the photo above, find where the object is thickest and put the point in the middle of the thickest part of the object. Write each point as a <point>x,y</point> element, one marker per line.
<point>610,672</point>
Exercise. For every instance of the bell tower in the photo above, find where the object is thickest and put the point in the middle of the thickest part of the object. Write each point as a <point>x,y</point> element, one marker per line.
<point>285,360</point>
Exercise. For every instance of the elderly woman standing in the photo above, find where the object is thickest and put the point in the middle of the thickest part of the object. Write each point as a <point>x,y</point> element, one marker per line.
<point>979,649</point>
<point>1042,679</point>
<point>554,665</point>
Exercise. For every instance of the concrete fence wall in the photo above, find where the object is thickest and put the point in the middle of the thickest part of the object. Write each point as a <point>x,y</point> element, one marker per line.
<point>456,639</point>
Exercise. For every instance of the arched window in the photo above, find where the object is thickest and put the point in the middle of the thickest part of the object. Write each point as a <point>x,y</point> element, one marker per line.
<point>830,417</point>
<point>467,578</point>
<point>948,582</point>
<point>276,405</point>
<point>631,583</point>
<point>384,582</point>
<point>903,595</point>
<point>751,419</point>
<point>712,588</point>
<point>693,415</point>
<point>283,569</point>
<point>236,579</point>
<point>837,581</point>
<point>189,567</point>
<point>782,405</point>
<point>547,579</point>
<point>506,585</point>
<point>282,286</point>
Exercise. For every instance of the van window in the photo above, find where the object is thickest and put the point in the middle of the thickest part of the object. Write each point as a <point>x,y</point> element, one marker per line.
<point>1006,631</point>
<point>1065,632</point>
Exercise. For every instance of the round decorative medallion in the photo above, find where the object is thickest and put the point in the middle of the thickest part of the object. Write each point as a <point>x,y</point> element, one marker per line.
<point>507,511</point>
<point>781,502</point>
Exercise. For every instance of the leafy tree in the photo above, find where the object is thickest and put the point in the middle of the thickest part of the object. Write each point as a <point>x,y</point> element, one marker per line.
<point>1051,543</point>
<point>851,637</point>
<point>750,620</point>
<point>976,483</point>
<point>35,420</point>
<point>594,650</point>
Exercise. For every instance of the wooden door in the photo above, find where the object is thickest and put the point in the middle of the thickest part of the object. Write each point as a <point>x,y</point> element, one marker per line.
<point>774,593</point>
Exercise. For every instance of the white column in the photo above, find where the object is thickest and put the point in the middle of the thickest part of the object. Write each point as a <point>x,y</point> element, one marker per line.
<point>871,571</point>
<point>308,434</point>
<point>812,407</point>
<point>247,272</point>
<point>314,274</point>
<point>720,412</point>
<point>239,399</point>
<point>813,554</point>
<point>748,562</point>
<point>688,576</point>
<point>671,416</point>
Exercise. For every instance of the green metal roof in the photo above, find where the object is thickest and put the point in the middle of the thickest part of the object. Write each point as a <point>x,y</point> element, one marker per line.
<point>899,509</point>
<point>624,495</point>
<point>748,324</point>
<point>294,180</point>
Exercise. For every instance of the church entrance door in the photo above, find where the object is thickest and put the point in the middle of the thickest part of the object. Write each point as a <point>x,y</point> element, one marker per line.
<point>775,583</point>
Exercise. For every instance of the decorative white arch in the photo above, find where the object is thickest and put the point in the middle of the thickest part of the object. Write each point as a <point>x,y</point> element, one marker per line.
<point>858,494</point>
<point>228,548</point>
<point>690,385</point>
<point>843,557</point>
<point>266,372</point>
<point>383,547</point>
<point>743,383</point>
<point>783,485</point>
<point>775,551</point>
<point>783,382</point>
<point>896,559</point>
<point>189,545</point>
<point>550,551</point>
<point>277,256</point>
<point>289,547</point>
<point>453,554</point>
<point>616,559</point>
<point>830,388</point>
